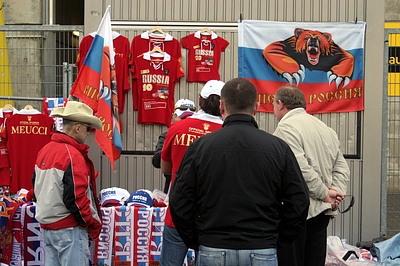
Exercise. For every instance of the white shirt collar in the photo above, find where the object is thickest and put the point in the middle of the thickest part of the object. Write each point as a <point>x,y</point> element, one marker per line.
<point>197,34</point>
<point>148,55</point>
<point>28,112</point>
<point>295,110</point>
<point>14,111</point>
<point>147,35</point>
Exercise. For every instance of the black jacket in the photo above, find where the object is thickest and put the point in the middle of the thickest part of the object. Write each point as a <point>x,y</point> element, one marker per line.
<point>239,188</point>
<point>156,159</point>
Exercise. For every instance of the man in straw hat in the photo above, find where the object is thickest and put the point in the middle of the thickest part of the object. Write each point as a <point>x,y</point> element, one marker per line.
<point>65,190</point>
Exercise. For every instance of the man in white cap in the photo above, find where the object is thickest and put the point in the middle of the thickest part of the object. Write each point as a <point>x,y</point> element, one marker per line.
<point>179,136</point>
<point>183,109</point>
<point>65,190</point>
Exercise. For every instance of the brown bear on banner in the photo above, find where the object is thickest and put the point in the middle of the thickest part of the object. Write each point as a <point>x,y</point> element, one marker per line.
<point>313,50</point>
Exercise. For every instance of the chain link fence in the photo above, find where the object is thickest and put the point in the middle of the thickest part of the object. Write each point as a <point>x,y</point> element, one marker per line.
<point>37,61</point>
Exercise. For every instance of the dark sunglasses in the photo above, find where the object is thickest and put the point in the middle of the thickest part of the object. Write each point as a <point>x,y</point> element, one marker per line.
<point>352,201</point>
<point>185,108</point>
<point>88,127</point>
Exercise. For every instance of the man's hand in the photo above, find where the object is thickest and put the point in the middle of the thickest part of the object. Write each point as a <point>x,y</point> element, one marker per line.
<point>95,229</point>
<point>334,198</point>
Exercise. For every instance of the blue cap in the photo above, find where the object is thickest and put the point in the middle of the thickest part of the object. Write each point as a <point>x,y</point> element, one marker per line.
<point>140,198</point>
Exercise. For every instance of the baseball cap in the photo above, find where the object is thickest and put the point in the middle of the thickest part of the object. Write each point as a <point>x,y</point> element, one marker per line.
<point>212,87</point>
<point>141,198</point>
<point>184,108</point>
<point>113,196</point>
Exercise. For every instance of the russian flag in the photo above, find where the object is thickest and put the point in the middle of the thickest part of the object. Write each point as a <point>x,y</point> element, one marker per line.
<point>96,86</point>
<point>321,78</point>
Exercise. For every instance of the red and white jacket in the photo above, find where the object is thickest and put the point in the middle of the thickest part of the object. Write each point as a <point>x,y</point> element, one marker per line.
<point>64,185</point>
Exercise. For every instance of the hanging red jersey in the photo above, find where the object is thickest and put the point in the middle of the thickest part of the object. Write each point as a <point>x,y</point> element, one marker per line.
<point>121,48</point>
<point>27,132</point>
<point>156,75</point>
<point>204,55</point>
<point>146,42</point>
<point>5,177</point>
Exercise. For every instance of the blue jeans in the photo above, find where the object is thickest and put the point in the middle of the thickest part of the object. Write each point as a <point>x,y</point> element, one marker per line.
<point>230,257</point>
<point>174,250</point>
<point>66,247</point>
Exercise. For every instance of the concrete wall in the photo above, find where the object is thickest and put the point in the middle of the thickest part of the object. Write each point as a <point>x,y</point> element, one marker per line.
<point>23,11</point>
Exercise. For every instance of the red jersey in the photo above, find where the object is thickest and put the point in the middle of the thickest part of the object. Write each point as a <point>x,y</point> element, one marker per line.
<point>179,137</point>
<point>204,55</point>
<point>145,42</point>
<point>27,132</point>
<point>156,75</point>
<point>121,49</point>
<point>5,178</point>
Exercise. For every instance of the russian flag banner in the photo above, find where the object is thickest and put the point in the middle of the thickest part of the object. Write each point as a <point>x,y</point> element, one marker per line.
<point>325,60</point>
<point>96,86</point>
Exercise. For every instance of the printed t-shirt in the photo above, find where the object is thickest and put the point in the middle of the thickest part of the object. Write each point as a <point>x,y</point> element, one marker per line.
<point>179,137</point>
<point>27,132</point>
<point>156,75</point>
<point>204,56</point>
<point>146,42</point>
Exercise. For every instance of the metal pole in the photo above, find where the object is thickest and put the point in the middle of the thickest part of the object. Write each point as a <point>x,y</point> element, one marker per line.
<point>51,12</point>
<point>65,79</point>
<point>70,78</point>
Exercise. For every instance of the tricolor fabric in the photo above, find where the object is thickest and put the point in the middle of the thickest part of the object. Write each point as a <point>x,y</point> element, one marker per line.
<point>49,104</point>
<point>8,209</point>
<point>129,236</point>
<point>34,249</point>
<point>325,60</point>
<point>95,85</point>
<point>105,241</point>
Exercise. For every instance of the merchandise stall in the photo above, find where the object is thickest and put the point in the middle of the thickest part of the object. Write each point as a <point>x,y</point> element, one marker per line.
<point>130,235</point>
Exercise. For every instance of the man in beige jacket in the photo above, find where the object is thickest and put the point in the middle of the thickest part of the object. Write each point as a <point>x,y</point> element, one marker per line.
<point>317,150</point>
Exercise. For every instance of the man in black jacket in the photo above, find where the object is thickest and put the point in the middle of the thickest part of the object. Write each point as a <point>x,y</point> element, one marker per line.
<point>239,192</point>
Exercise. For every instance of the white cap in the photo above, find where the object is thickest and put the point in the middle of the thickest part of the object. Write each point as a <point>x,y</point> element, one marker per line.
<point>212,87</point>
<point>184,108</point>
<point>113,196</point>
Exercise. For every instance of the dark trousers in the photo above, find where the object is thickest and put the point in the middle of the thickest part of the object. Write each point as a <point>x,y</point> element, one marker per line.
<point>309,248</point>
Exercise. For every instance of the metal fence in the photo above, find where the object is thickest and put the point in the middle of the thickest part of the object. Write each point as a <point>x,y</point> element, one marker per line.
<point>391,138</point>
<point>36,62</point>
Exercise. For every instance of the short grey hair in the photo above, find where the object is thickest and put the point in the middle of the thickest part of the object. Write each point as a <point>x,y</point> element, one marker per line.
<point>291,97</point>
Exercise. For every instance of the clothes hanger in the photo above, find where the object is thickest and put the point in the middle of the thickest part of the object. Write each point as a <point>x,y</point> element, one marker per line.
<point>157,29</point>
<point>28,107</point>
<point>8,107</point>
<point>206,30</point>
<point>157,49</point>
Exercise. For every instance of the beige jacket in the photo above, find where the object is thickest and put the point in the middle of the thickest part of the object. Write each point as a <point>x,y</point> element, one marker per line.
<point>317,149</point>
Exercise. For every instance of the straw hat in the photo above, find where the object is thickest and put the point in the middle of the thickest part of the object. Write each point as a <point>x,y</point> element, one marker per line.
<point>79,112</point>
